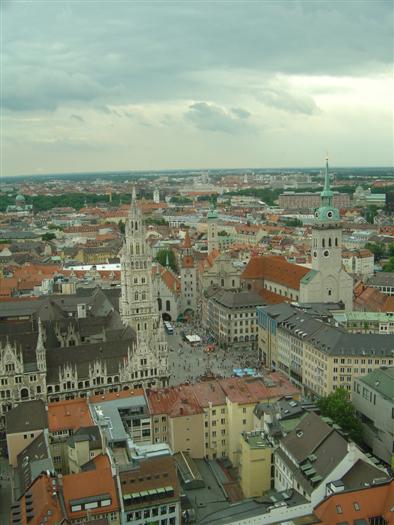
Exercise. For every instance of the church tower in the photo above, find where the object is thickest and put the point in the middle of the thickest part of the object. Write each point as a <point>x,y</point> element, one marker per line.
<point>327,281</point>
<point>188,274</point>
<point>212,218</point>
<point>138,306</point>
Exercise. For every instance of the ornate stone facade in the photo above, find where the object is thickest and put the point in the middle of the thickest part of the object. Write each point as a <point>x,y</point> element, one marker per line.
<point>62,347</point>
<point>138,304</point>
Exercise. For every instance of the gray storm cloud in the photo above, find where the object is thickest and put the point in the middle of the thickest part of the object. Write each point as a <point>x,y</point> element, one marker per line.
<point>193,67</point>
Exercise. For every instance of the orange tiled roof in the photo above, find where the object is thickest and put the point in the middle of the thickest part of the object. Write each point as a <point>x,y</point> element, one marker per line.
<point>209,392</point>
<point>186,400</point>
<point>372,501</point>
<point>209,260</point>
<point>253,390</point>
<point>272,297</point>
<point>175,401</point>
<point>276,269</point>
<point>371,299</point>
<point>46,506</point>
<point>170,279</point>
<point>88,484</point>
<point>70,414</point>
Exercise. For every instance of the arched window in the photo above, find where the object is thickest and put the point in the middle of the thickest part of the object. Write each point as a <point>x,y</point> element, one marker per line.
<point>168,305</point>
<point>159,303</point>
<point>323,243</point>
<point>137,249</point>
<point>329,242</point>
<point>24,393</point>
<point>221,282</point>
<point>136,296</point>
<point>143,296</point>
<point>136,225</point>
<point>336,241</point>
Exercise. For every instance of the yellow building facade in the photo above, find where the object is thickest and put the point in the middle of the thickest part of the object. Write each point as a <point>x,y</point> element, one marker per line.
<point>254,464</point>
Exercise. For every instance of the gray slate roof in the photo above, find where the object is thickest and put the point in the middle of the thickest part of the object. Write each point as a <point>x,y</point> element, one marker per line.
<point>238,299</point>
<point>328,337</point>
<point>26,417</point>
<point>382,279</point>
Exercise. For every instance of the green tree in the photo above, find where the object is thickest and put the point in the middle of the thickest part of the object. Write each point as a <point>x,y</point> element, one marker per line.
<point>391,250</point>
<point>370,213</point>
<point>156,221</point>
<point>167,255</point>
<point>178,199</point>
<point>339,408</point>
<point>389,267</point>
<point>122,227</point>
<point>48,236</point>
<point>293,222</point>
<point>377,249</point>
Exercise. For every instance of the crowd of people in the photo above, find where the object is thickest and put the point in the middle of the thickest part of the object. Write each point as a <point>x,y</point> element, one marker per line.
<point>190,363</point>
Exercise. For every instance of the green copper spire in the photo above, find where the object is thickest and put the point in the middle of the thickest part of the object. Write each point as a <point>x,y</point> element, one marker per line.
<point>212,214</point>
<point>326,195</point>
<point>327,212</point>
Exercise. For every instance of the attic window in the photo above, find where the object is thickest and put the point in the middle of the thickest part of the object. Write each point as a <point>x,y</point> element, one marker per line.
<point>339,509</point>
<point>299,433</point>
<point>356,505</point>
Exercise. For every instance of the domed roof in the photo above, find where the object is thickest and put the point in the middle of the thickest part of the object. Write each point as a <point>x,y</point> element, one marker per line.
<point>20,198</point>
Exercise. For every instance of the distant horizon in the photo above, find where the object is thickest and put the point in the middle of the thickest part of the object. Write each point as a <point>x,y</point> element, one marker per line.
<point>189,170</point>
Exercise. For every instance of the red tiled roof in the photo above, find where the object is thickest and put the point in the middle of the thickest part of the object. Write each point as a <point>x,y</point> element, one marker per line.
<point>253,390</point>
<point>69,414</point>
<point>371,299</point>
<point>46,506</point>
<point>175,401</point>
<point>276,269</point>
<point>209,392</point>
<point>88,484</point>
<point>272,297</point>
<point>209,260</point>
<point>171,280</point>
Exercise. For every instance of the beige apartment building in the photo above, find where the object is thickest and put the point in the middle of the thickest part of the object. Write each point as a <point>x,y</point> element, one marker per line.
<point>207,419</point>
<point>315,354</point>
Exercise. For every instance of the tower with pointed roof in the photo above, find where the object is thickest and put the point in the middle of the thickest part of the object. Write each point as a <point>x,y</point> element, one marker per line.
<point>138,305</point>
<point>327,281</point>
<point>212,219</point>
<point>188,274</point>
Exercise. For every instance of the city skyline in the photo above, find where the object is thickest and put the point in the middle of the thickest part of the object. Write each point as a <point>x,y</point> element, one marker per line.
<point>115,87</point>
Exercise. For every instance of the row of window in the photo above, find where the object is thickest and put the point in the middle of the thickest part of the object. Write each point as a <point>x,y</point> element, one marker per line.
<point>152,513</point>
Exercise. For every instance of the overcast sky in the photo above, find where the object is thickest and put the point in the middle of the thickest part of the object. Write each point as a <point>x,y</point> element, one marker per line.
<point>92,85</point>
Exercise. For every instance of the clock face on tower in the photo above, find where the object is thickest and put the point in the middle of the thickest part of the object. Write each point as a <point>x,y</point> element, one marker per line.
<point>326,253</point>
